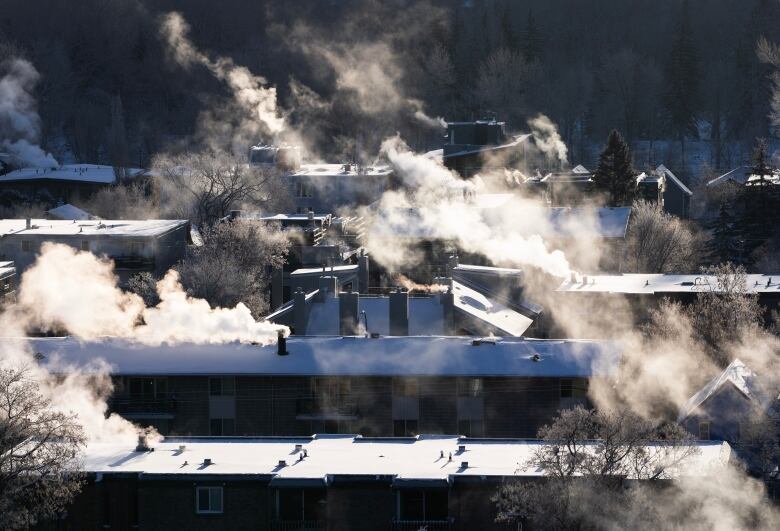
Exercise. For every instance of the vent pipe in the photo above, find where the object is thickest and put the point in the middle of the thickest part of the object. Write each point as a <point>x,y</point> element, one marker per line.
<point>281,343</point>
<point>399,313</point>
<point>348,313</point>
<point>300,316</point>
<point>363,273</point>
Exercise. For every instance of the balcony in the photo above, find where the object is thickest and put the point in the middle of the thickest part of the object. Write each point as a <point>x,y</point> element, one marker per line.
<point>317,409</point>
<point>426,525</point>
<point>298,525</point>
<point>143,408</point>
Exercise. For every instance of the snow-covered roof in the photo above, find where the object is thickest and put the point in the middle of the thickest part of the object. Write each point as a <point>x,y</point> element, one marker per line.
<point>105,227</point>
<point>477,305</point>
<point>343,356</point>
<point>328,457</point>
<point>338,170</point>
<point>7,269</point>
<point>742,175</point>
<point>579,168</point>
<point>68,212</point>
<point>663,170</point>
<point>488,270</point>
<point>612,222</point>
<point>317,271</point>
<point>650,283</point>
<point>482,149</point>
<point>736,374</point>
<point>89,173</point>
<point>288,217</point>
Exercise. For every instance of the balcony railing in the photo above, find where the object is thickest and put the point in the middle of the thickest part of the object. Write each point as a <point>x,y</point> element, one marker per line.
<point>315,408</point>
<point>143,407</point>
<point>298,525</point>
<point>424,525</point>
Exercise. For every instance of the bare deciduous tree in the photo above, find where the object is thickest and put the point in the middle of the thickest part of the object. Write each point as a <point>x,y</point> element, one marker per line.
<point>591,462</point>
<point>39,448</point>
<point>659,242</point>
<point>234,264</point>
<point>205,187</point>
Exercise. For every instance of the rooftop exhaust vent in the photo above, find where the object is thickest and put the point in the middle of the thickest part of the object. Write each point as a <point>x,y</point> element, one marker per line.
<point>207,462</point>
<point>536,357</point>
<point>464,464</point>
<point>281,343</point>
<point>282,463</point>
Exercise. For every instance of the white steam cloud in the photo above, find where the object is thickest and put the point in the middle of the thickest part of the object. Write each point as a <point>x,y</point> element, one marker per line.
<point>257,113</point>
<point>435,204</point>
<point>77,292</point>
<point>20,125</point>
<point>547,138</point>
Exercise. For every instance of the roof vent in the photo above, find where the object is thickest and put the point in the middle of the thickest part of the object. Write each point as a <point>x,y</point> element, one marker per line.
<point>182,448</point>
<point>464,464</point>
<point>282,463</point>
<point>143,445</point>
<point>298,447</point>
<point>536,357</point>
<point>462,448</point>
<point>281,343</point>
<point>207,462</point>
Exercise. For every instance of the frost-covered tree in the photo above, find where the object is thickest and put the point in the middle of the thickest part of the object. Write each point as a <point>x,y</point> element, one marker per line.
<point>39,450</point>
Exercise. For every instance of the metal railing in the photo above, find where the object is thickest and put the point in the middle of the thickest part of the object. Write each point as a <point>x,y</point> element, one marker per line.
<point>424,525</point>
<point>297,525</point>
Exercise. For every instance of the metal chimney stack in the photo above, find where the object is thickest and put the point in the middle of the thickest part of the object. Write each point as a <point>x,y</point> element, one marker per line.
<point>399,313</point>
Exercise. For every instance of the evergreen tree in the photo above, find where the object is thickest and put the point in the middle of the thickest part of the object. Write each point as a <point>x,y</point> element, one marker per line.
<point>723,245</point>
<point>615,174</point>
<point>760,202</point>
<point>761,167</point>
<point>507,31</point>
<point>682,74</point>
<point>118,150</point>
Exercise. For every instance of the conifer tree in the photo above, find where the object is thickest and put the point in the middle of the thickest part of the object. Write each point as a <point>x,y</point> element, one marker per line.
<point>682,90</point>
<point>723,245</point>
<point>531,42</point>
<point>615,174</point>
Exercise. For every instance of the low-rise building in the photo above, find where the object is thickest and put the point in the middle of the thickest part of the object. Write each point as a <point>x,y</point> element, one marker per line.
<point>317,483</point>
<point>330,187</point>
<point>472,147</point>
<point>378,386</point>
<point>62,183</point>
<point>665,188</point>
<point>134,245</point>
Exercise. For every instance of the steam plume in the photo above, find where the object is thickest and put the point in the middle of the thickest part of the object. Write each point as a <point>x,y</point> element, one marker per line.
<point>20,125</point>
<point>547,139</point>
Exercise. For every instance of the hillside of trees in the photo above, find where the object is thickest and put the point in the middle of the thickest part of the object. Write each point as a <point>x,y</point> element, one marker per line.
<point>654,69</point>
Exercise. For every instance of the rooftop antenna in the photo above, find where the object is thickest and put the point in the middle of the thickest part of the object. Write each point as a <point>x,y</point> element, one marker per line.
<point>365,320</point>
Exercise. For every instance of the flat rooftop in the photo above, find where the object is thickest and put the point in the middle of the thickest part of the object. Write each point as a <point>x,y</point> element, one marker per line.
<point>333,457</point>
<point>646,283</point>
<point>96,227</point>
<point>338,170</point>
<point>87,173</point>
<point>342,356</point>
<point>7,269</point>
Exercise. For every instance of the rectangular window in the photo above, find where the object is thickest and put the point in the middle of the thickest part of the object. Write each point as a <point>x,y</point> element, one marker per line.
<point>208,500</point>
<point>704,430</point>
<point>299,505</point>
<point>84,245</point>
<point>148,388</point>
<point>26,246</point>
<point>404,428</point>
<point>135,247</point>
<point>574,388</point>
<point>223,427</point>
<point>419,504</point>
<point>469,387</point>
<point>406,387</point>
<point>471,428</point>
<point>303,189</point>
<point>222,386</point>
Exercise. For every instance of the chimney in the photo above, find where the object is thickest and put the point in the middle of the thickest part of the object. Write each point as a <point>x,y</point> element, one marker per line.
<point>28,224</point>
<point>363,273</point>
<point>281,343</point>
<point>348,313</point>
<point>399,313</point>
<point>300,317</point>
<point>143,445</point>
<point>327,288</point>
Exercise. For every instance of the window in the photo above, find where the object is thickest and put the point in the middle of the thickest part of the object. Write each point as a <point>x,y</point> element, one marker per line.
<point>419,504</point>
<point>148,388</point>
<point>84,245</point>
<point>469,387</point>
<point>222,386</point>
<point>208,500</point>
<point>574,388</point>
<point>303,190</point>
<point>405,387</point>
<point>223,427</point>
<point>331,388</point>
<point>471,427</point>
<point>704,430</point>
<point>404,428</point>
<point>298,505</point>
<point>135,247</point>
<point>26,246</point>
